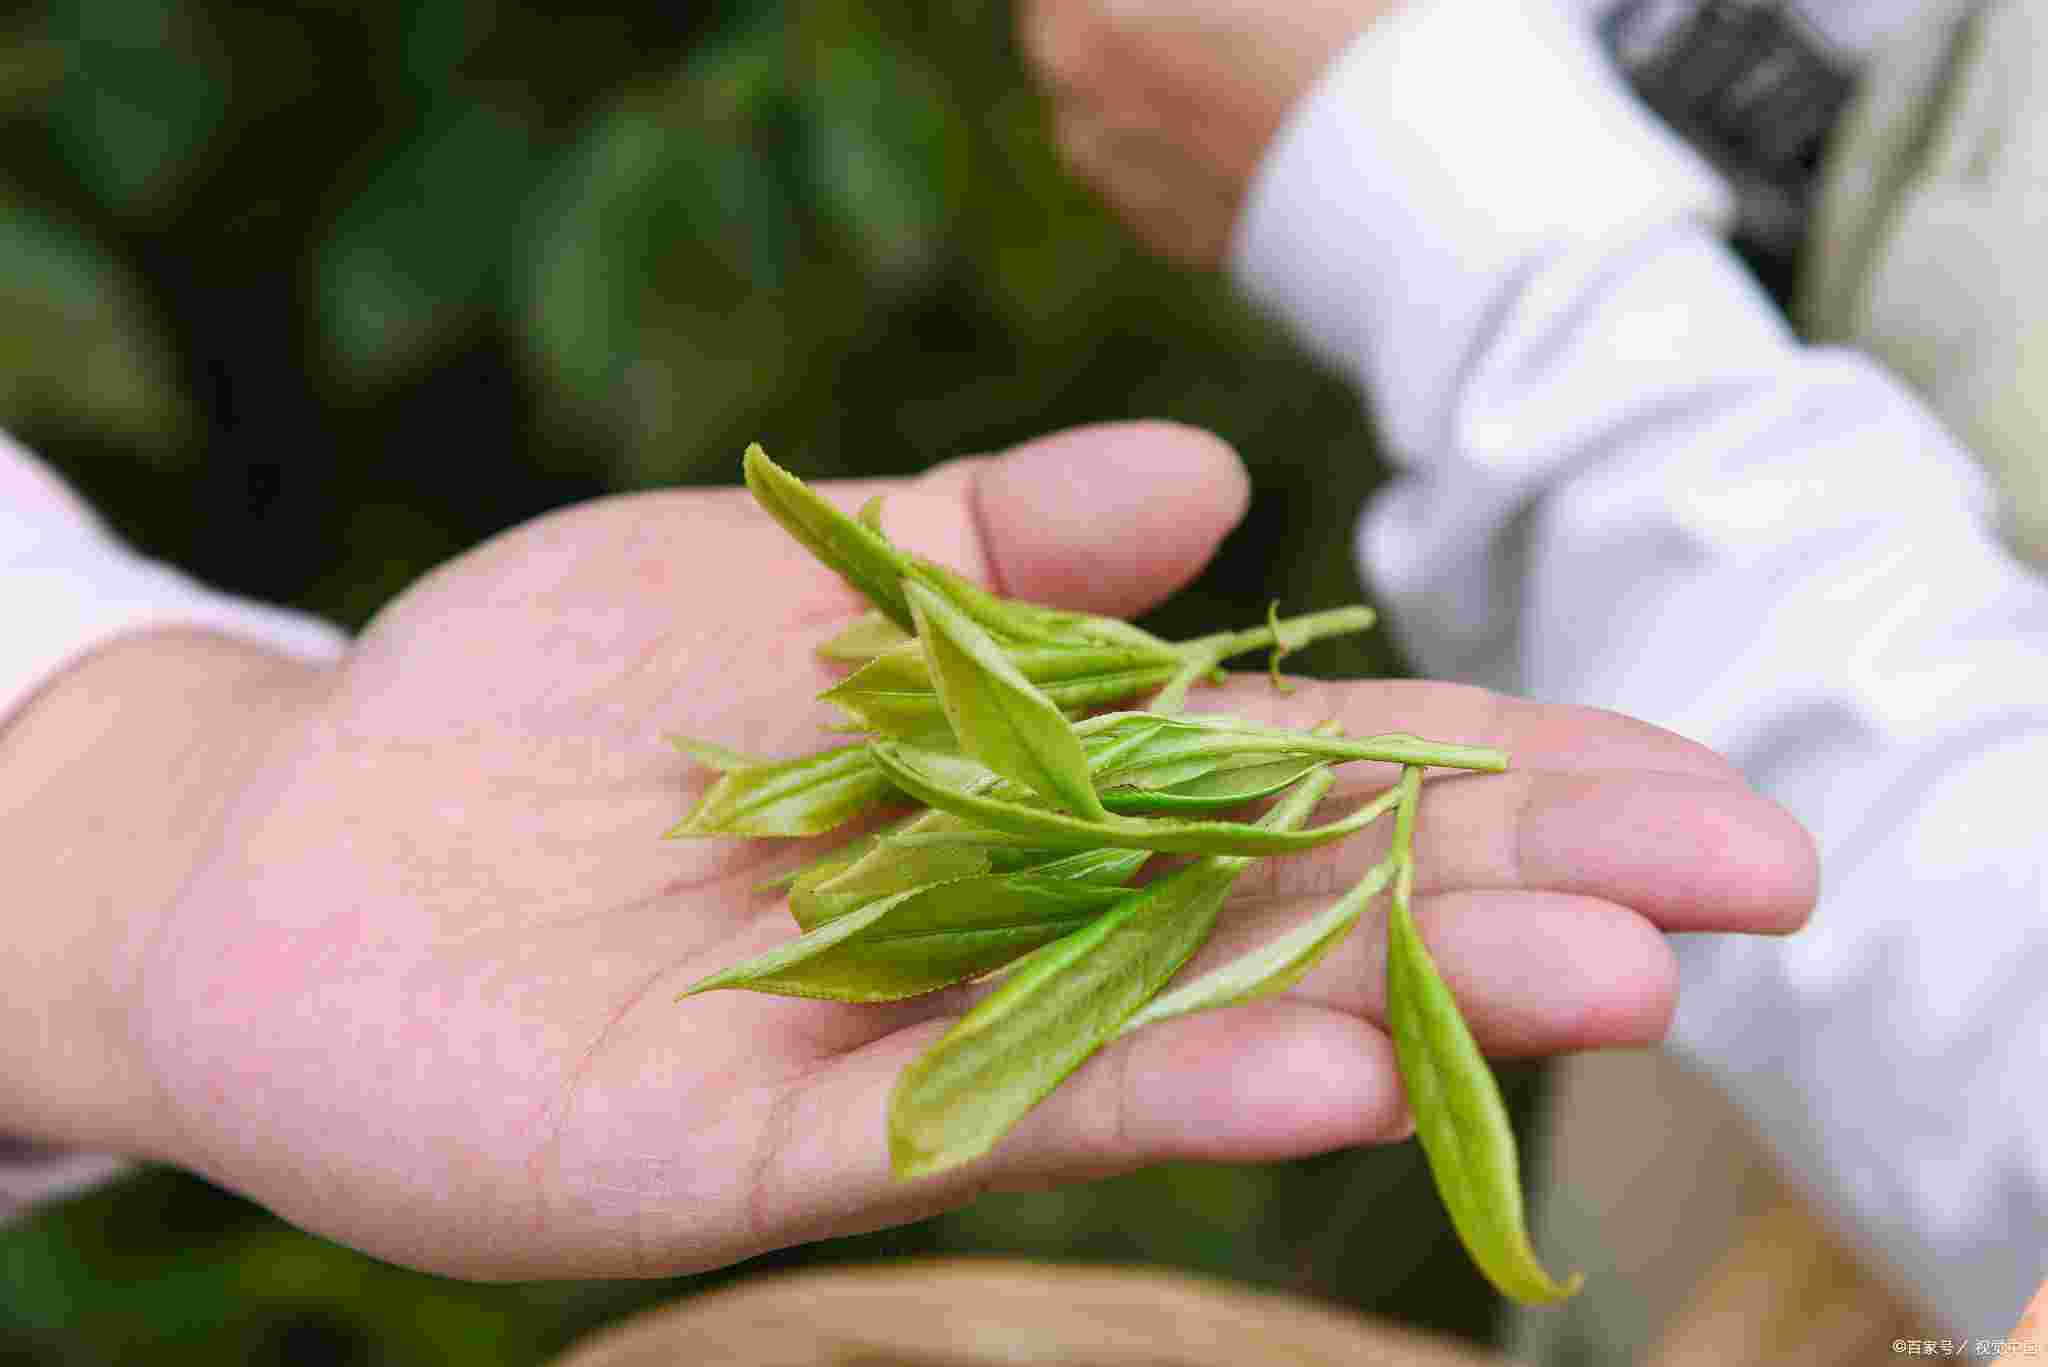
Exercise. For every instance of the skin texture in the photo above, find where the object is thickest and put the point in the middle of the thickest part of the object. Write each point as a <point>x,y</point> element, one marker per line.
<point>1165,107</point>
<point>396,952</point>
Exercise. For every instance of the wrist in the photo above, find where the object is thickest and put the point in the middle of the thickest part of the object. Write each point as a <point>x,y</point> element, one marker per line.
<point>115,779</point>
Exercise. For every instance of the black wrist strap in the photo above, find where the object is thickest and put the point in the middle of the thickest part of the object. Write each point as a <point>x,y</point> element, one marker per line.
<point>1755,90</point>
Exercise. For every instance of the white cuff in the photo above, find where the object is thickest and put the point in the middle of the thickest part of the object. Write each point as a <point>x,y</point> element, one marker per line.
<point>70,586</point>
<point>79,598</point>
<point>31,1175</point>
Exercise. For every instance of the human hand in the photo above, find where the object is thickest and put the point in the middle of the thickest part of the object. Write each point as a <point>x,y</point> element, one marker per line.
<point>1167,106</point>
<point>417,992</point>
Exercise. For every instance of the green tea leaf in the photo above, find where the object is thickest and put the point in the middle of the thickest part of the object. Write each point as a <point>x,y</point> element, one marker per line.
<point>862,557</point>
<point>1286,640</point>
<point>1008,1053</point>
<point>1054,830</point>
<point>1142,762</point>
<point>925,939</point>
<point>1014,622</point>
<point>1173,695</point>
<point>1292,810</point>
<point>835,860</point>
<point>822,867</point>
<point>1238,776</point>
<point>884,870</point>
<point>1008,858</point>
<point>788,797</point>
<point>1104,868</point>
<point>1193,784</point>
<point>869,635</point>
<point>1051,1012</point>
<point>835,889</point>
<point>1164,759</point>
<point>1459,1115</point>
<point>1020,621</point>
<point>1106,725</point>
<point>892,694</point>
<point>1109,739</point>
<point>714,756</point>
<point>999,717</point>
<point>1275,966</point>
<point>1224,787</point>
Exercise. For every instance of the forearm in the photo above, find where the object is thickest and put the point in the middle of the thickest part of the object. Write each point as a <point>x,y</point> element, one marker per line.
<point>114,777</point>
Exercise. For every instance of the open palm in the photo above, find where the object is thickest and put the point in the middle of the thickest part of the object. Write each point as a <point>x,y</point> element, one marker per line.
<point>420,997</point>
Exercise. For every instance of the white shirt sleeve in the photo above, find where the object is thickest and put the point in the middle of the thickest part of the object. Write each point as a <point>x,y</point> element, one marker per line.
<point>1621,481</point>
<point>68,586</point>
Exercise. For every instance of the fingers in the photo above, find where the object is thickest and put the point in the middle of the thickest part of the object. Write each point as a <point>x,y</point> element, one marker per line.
<point>1306,1073</point>
<point>1062,41</point>
<point>1595,805</point>
<point>1269,1081</point>
<point>1177,206</point>
<point>1688,855</point>
<point>1304,1080</point>
<point>1536,974</point>
<point>1536,735</point>
<point>1109,518</point>
<point>1302,1074</point>
<point>1166,109</point>
<point>1298,1075</point>
<point>1685,853</point>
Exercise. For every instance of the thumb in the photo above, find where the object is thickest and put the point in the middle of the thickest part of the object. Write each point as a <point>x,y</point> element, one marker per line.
<point>1111,518</point>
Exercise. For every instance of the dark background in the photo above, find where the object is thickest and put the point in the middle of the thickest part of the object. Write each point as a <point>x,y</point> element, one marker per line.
<point>308,298</point>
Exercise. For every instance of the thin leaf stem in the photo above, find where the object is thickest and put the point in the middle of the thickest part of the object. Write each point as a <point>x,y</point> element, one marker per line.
<point>1298,631</point>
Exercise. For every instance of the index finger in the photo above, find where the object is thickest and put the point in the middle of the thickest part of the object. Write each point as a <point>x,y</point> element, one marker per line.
<point>1594,804</point>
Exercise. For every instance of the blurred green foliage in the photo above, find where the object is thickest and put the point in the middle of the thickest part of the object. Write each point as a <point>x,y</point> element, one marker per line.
<point>307,298</point>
